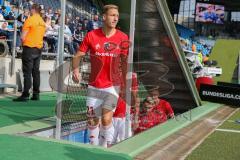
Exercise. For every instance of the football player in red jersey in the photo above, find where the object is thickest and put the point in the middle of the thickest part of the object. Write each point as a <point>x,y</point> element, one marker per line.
<point>108,66</point>
<point>119,115</point>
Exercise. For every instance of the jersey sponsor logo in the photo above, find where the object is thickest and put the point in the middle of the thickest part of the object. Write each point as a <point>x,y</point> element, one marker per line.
<point>106,54</point>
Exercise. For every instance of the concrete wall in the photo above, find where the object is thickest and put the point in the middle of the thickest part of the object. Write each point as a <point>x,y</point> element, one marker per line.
<point>46,67</point>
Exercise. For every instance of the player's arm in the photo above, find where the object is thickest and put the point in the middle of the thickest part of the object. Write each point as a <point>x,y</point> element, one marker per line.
<point>124,68</point>
<point>136,117</point>
<point>77,58</point>
<point>75,65</point>
<point>123,61</point>
<point>134,90</point>
<point>134,97</point>
<point>170,112</point>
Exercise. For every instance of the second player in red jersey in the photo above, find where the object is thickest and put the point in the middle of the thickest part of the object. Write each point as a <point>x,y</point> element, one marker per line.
<point>120,112</point>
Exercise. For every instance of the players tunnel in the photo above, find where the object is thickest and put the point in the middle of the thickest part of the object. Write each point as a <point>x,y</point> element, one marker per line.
<point>157,54</point>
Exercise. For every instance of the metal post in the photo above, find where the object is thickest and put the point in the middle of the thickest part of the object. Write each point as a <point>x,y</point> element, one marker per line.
<point>239,68</point>
<point>14,48</point>
<point>128,130</point>
<point>60,73</point>
<point>183,13</point>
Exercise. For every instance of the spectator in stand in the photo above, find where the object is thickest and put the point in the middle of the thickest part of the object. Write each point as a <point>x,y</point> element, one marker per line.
<point>94,24</point>
<point>77,20</point>
<point>6,30</point>
<point>1,21</point>
<point>85,23</point>
<point>49,12</point>
<point>56,15</point>
<point>79,33</point>
<point>194,47</point>
<point>78,36</point>
<point>14,11</point>
<point>42,13</point>
<point>183,44</point>
<point>22,17</point>
<point>71,24</point>
<point>74,24</point>
<point>27,4</point>
<point>51,34</point>
<point>4,11</point>
<point>47,21</point>
<point>68,38</point>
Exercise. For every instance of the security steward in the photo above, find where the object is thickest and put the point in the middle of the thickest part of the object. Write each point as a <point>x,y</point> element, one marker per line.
<point>32,39</point>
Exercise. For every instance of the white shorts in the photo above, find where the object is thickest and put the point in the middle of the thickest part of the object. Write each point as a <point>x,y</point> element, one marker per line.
<point>119,129</point>
<point>98,98</point>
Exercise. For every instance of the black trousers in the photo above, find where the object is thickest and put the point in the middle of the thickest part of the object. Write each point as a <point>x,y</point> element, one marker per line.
<point>30,65</point>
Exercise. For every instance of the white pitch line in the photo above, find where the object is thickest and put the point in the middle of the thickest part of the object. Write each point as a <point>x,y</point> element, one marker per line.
<point>228,130</point>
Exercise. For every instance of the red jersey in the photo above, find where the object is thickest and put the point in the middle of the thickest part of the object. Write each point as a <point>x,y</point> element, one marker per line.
<point>157,115</point>
<point>120,111</point>
<point>105,65</point>
<point>163,110</point>
<point>147,120</point>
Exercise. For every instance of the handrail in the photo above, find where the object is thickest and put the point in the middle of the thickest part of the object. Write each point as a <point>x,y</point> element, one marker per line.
<point>239,67</point>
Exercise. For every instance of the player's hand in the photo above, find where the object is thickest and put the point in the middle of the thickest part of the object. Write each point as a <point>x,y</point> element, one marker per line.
<point>76,76</point>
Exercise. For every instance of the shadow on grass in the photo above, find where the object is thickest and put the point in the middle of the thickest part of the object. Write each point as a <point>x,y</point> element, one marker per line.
<point>16,119</point>
<point>19,112</point>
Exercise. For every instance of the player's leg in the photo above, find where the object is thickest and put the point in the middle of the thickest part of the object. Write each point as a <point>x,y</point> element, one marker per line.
<point>93,129</point>
<point>93,116</point>
<point>110,98</point>
<point>106,129</point>
<point>115,126</point>
<point>121,129</point>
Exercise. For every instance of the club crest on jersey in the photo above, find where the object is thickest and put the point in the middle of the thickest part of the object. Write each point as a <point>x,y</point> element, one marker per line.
<point>106,45</point>
<point>97,46</point>
<point>109,46</point>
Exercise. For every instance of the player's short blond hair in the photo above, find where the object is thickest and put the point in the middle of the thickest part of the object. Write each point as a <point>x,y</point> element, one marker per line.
<point>106,8</point>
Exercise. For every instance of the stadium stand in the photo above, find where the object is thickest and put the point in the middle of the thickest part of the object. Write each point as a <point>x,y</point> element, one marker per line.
<point>83,9</point>
<point>184,32</point>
